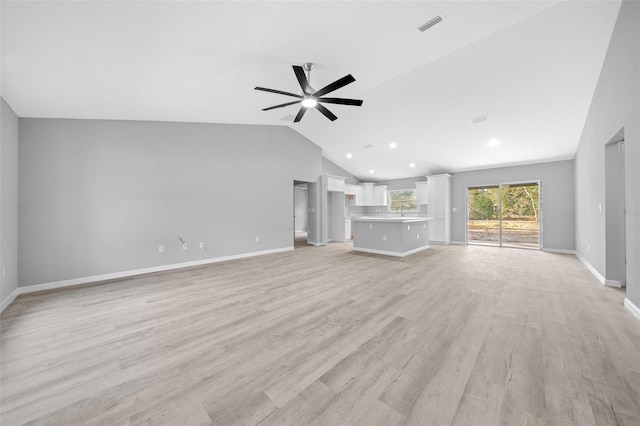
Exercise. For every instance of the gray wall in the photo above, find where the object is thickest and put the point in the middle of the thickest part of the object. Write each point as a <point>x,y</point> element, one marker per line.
<point>99,197</point>
<point>8,200</point>
<point>615,107</point>
<point>558,230</point>
<point>330,168</point>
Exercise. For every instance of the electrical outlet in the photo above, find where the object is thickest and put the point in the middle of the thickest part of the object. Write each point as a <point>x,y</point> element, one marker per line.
<point>257,239</point>
<point>201,244</point>
<point>454,209</point>
<point>160,249</point>
<point>384,238</point>
<point>589,246</point>
<point>3,273</point>
<point>185,246</point>
<point>417,236</point>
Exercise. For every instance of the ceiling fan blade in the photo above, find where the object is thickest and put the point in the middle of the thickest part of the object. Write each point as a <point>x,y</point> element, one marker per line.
<point>335,85</point>
<point>281,105</point>
<point>280,92</point>
<point>302,78</point>
<point>300,114</point>
<point>341,101</point>
<point>326,112</point>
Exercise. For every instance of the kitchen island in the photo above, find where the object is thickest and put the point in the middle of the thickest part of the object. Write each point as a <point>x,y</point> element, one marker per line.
<point>393,236</point>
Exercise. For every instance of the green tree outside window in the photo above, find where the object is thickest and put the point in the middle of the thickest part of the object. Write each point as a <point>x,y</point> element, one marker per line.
<point>402,200</point>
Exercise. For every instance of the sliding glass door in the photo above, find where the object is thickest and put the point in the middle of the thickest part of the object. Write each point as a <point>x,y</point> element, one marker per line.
<point>505,215</point>
<point>520,224</point>
<point>483,215</point>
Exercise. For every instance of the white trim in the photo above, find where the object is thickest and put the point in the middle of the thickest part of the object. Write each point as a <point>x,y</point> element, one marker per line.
<point>10,298</point>
<point>458,243</point>
<point>561,251</point>
<point>124,274</point>
<point>613,283</point>
<point>593,270</point>
<point>391,253</point>
<point>633,308</point>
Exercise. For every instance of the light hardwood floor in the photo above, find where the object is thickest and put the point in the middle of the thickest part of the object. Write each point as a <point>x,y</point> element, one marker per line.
<point>461,335</point>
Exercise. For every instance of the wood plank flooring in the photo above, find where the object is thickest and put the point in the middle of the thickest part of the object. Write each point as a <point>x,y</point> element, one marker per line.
<point>456,335</point>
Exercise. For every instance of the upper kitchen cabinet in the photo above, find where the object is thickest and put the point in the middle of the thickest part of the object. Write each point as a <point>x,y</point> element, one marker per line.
<point>380,195</point>
<point>335,183</point>
<point>439,208</point>
<point>350,189</point>
<point>373,195</point>
<point>368,194</point>
<point>422,192</point>
<point>367,191</point>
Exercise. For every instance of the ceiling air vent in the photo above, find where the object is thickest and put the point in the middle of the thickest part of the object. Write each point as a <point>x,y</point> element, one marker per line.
<point>436,20</point>
<point>478,119</point>
<point>367,146</point>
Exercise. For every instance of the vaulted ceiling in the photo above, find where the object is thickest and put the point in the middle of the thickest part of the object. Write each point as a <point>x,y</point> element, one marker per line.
<point>530,67</point>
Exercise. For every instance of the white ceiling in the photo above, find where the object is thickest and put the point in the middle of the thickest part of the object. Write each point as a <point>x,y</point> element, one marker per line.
<point>530,66</point>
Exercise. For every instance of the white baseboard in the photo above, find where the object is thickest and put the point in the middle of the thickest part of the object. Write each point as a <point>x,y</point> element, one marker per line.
<point>633,308</point>
<point>593,270</point>
<point>561,251</point>
<point>125,274</point>
<point>10,298</point>
<point>390,253</point>
<point>458,243</point>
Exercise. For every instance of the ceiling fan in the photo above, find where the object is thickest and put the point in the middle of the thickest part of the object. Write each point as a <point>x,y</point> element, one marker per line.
<point>311,98</point>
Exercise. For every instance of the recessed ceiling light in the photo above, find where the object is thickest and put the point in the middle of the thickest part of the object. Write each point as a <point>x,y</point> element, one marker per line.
<point>349,155</point>
<point>493,143</point>
<point>393,145</point>
<point>371,171</point>
<point>412,165</point>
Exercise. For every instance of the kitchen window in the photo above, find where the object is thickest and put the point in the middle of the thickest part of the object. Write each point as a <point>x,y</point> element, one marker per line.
<point>403,200</point>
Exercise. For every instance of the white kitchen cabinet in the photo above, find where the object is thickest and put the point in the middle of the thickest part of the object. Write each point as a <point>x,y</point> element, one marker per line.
<point>359,195</point>
<point>439,208</point>
<point>368,194</point>
<point>380,195</point>
<point>350,189</point>
<point>335,183</point>
<point>422,192</point>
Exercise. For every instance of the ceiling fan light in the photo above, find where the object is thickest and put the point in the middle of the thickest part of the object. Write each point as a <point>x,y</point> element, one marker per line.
<point>309,102</point>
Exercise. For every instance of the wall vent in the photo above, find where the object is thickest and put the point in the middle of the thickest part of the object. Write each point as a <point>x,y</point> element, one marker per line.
<point>479,119</point>
<point>436,20</point>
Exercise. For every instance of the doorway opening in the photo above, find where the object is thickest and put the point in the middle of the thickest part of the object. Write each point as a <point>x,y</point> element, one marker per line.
<point>300,214</point>
<point>504,215</point>
<point>615,218</point>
